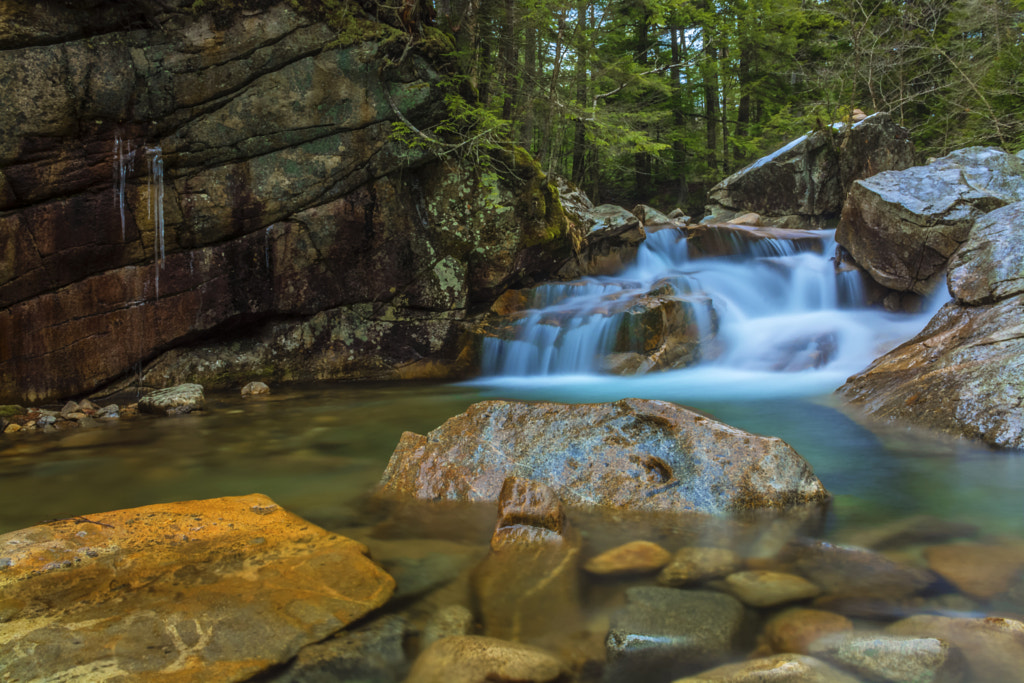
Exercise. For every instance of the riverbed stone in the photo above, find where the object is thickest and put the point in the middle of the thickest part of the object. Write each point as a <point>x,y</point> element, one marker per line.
<point>910,530</point>
<point>843,571</point>
<point>902,226</point>
<point>373,652</point>
<point>981,570</point>
<point>694,564</point>
<point>763,588</point>
<point>887,657</point>
<point>527,588</point>
<point>447,621</point>
<point>666,632</point>
<point>780,668</point>
<point>635,557</point>
<point>993,647</point>
<point>479,659</point>
<point>168,592</point>
<point>177,400</point>
<point>795,629</point>
<point>630,455</point>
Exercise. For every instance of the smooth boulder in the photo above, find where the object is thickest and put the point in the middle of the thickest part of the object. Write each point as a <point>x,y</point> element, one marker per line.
<point>214,590</point>
<point>629,455</point>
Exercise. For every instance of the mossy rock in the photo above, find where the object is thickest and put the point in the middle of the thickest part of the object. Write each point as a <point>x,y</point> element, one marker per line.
<point>10,410</point>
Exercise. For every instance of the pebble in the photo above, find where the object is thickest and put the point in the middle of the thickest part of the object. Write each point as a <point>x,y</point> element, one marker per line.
<point>794,629</point>
<point>696,564</point>
<point>637,557</point>
<point>762,588</point>
<point>781,668</point>
<point>473,659</point>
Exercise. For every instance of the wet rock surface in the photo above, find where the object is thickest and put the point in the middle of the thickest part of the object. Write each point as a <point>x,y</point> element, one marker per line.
<point>892,658</point>
<point>476,659</point>
<point>632,454</point>
<point>166,592</point>
<point>637,557</point>
<point>993,647</point>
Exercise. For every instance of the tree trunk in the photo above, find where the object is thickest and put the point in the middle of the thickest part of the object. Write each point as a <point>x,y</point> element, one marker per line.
<point>579,143</point>
<point>678,151</point>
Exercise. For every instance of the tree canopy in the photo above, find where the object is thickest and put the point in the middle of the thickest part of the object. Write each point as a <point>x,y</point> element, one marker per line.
<point>656,100</point>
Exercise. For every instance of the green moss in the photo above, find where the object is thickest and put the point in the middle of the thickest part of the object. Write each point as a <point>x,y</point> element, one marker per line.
<point>9,410</point>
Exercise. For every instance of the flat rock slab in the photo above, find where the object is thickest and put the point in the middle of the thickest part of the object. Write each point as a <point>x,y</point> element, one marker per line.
<point>629,455</point>
<point>782,668</point>
<point>214,590</point>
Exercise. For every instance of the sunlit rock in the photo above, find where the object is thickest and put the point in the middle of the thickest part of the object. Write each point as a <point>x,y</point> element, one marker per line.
<point>632,455</point>
<point>213,590</point>
<point>989,266</point>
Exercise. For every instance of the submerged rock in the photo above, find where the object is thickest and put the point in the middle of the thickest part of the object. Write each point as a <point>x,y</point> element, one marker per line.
<point>763,588</point>
<point>662,633</point>
<point>884,657</point>
<point>781,668</point>
<point>992,647</point>
<point>213,590</point>
<point>528,586</point>
<point>795,629</point>
<point>902,226</point>
<point>184,398</point>
<point>255,389</point>
<point>477,659</point>
<point>636,557</point>
<point>696,564</point>
<point>631,455</point>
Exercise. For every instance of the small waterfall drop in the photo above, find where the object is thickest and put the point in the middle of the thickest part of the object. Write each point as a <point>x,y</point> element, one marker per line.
<point>124,162</point>
<point>731,313</point>
<point>155,207</point>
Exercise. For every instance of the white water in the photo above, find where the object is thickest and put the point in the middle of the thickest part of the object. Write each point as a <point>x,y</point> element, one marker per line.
<point>788,325</point>
<point>124,161</point>
<point>155,208</point>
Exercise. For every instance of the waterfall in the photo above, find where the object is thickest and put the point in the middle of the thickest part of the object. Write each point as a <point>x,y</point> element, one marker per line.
<point>723,308</point>
<point>124,161</point>
<point>155,207</point>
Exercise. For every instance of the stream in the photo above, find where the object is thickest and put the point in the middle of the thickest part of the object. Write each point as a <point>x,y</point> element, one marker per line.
<point>320,450</point>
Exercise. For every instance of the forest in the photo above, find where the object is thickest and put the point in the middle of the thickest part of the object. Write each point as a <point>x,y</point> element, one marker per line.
<point>657,100</point>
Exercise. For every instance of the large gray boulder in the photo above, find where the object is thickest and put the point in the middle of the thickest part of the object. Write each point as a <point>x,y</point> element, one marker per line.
<point>902,226</point>
<point>805,182</point>
<point>964,373</point>
<point>629,455</point>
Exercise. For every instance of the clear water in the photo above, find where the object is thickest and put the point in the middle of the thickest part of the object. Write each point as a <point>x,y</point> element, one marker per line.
<point>319,451</point>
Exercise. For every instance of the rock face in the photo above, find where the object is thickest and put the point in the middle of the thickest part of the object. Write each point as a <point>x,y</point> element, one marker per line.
<point>228,182</point>
<point>805,182</point>
<point>902,226</point>
<point>216,590</point>
<point>964,373</point>
<point>631,455</point>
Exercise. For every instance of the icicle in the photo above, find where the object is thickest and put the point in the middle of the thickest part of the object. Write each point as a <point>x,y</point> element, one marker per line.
<point>266,246</point>
<point>155,211</point>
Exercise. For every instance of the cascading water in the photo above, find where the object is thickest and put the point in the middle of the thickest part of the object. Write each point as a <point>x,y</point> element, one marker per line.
<point>774,317</point>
